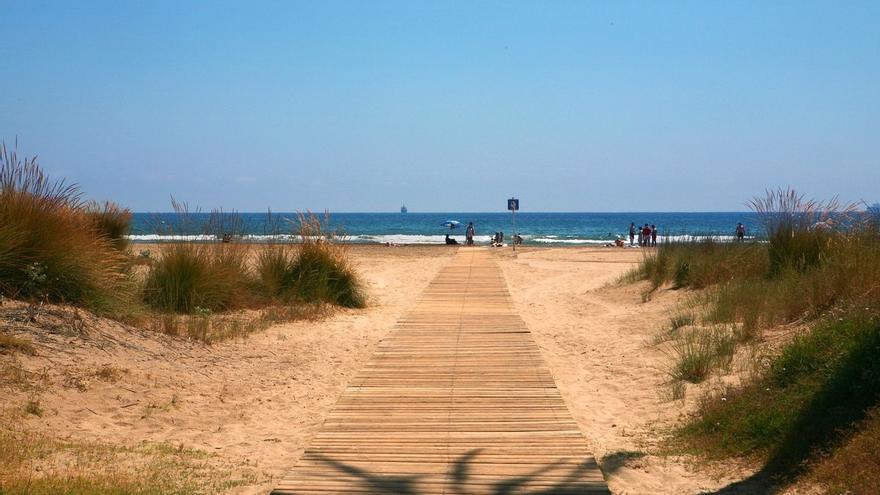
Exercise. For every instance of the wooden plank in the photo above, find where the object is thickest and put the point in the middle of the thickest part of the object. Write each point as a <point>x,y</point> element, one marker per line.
<point>457,399</point>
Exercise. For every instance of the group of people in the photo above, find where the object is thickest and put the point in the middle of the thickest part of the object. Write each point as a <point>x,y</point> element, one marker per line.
<point>647,235</point>
<point>497,239</point>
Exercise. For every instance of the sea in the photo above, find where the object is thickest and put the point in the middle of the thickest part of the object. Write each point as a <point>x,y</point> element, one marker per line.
<point>547,229</point>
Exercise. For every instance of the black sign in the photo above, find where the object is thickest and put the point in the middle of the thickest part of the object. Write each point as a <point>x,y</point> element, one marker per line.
<point>513,204</point>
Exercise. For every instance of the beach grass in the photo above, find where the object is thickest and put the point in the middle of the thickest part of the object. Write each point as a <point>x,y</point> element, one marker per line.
<point>813,403</point>
<point>110,221</point>
<point>318,271</point>
<point>50,248</point>
<point>821,388</point>
<point>191,276</point>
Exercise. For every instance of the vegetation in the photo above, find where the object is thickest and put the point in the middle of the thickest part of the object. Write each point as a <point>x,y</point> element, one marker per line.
<point>32,463</point>
<point>55,247</point>
<point>825,383</point>
<point>111,221</point>
<point>50,247</point>
<point>817,270</point>
<point>190,275</point>
<point>193,277</point>
<point>321,271</point>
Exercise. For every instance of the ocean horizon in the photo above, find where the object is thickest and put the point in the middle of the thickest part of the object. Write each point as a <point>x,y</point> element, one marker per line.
<point>536,228</point>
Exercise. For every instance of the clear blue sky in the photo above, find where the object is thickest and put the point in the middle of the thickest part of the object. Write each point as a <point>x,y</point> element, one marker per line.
<point>446,106</point>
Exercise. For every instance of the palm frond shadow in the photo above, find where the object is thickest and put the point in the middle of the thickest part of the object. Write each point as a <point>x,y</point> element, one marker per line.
<point>569,480</point>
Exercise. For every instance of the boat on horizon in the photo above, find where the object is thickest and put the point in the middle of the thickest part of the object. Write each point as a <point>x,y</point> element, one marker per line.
<point>403,209</point>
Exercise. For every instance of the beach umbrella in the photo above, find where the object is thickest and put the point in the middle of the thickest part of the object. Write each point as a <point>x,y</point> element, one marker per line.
<point>450,224</point>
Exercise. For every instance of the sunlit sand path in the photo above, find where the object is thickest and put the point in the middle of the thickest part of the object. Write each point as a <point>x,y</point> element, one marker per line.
<point>456,400</point>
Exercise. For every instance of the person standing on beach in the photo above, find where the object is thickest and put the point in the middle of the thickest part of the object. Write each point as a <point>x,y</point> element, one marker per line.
<point>632,232</point>
<point>641,236</point>
<point>653,236</point>
<point>740,232</point>
<point>469,234</point>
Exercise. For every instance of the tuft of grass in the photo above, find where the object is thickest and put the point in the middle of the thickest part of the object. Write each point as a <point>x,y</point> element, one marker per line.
<point>10,344</point>
<point>698,353</point>
<point>273,267</point>
<point>190,275</point>
<point>680,321</point>
<point>321,274</point>
<point>321,271</point>
<point>111,221</point>
<point>799,231</point>
<point>50,249</point>
<point>32,406</point>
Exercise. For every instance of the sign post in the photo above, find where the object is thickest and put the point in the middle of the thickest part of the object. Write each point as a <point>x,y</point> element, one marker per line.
<point>513,205</point>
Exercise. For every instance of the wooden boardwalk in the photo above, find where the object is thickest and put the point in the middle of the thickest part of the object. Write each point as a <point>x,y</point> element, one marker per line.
<point>456,400</point>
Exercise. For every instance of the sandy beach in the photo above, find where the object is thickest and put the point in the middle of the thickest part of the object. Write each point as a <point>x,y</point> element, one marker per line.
<point>254,403</point>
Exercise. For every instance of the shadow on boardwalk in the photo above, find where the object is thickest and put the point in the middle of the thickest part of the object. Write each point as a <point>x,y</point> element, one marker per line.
<point>567,480</point>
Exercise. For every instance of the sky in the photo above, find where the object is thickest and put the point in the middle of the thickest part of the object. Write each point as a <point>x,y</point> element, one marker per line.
<point>446,106</point>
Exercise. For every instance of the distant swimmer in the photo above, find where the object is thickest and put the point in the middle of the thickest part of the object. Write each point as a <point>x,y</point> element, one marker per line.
<point>740,231</point>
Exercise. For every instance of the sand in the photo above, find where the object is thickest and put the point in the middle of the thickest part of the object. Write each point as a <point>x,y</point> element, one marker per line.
<point>255,403</point>
<point>597,339</point>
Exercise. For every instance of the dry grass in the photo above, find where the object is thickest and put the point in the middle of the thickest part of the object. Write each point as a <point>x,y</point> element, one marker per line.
<point>10,344</point>
<point>31,463</point>
<point>49,247</point>
<point>110,221</point>
<point>319,271</point>
<point>188,276</point>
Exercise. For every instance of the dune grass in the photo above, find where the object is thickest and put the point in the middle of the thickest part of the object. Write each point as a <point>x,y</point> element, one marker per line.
<point>56,247</point>
<point>823,385</point>
<point>809,407</point>
<point>50,248</point>
<point>190,275</point>
<point>316,271</point>
<point>111,221</point>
